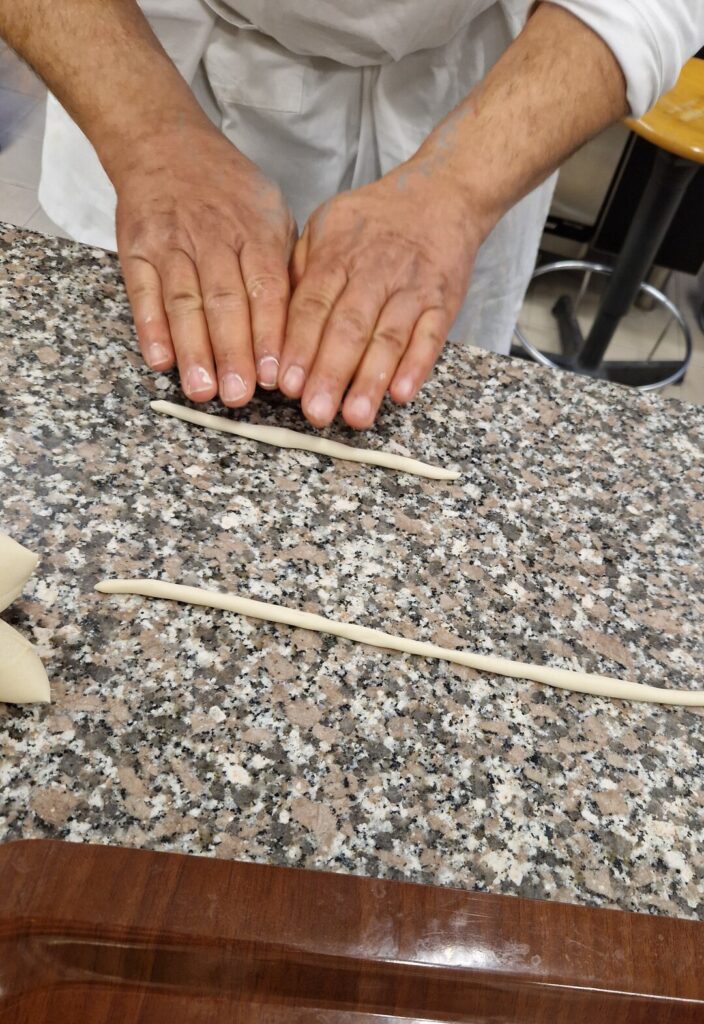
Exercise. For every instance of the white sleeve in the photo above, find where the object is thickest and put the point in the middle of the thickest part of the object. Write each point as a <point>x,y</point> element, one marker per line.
<point>651,39</point>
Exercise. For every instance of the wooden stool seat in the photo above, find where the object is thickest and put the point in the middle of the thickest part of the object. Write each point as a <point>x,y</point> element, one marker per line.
<point>676,122</point>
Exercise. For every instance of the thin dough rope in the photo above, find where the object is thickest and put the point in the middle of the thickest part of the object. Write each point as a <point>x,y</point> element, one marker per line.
<point>578,682</point>
<point>281,437</point>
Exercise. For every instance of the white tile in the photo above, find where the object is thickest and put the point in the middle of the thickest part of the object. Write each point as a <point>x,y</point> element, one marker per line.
<point>20,161</point>
<point>637,332</point>
<point>33,124</point>
<point>39,221</point>
<point>17,76</point>
<point>692,389</point>
<point>14,109</point>
<point>17,204</point>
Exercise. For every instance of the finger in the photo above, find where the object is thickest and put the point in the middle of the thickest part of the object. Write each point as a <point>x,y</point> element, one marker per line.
<point>421,355</point>
<point>389,342</point>
<point>347,334</point>
<point>183,303</point>
<point>311,305</point>
<point>266,284</point>
<point>143,286</point>
<point>227,312</point>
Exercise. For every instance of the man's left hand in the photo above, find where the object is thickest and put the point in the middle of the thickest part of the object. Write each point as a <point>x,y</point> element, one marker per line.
<point>380,274</point>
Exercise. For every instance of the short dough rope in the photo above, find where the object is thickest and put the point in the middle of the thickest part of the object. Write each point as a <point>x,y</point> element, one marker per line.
<point>579,682</point>
<point>281,437</point>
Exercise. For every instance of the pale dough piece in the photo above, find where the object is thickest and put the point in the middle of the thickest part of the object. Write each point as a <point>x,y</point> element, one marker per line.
<point>16,566</point>
<point>280,437</point>
<point>579,682</point>
<point>23,678</point>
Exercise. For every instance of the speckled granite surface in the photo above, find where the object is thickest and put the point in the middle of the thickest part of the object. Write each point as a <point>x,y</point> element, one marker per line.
<point>574,536</point>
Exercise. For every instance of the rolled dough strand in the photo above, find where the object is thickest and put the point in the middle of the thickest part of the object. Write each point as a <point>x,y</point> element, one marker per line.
<point>579,682</point>
<point>281,437</point>
<point>16,566</point>
<point>23,678</point>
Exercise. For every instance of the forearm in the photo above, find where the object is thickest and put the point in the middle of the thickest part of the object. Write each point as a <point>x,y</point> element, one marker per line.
<point>554,88</point>
<point>105,65</point>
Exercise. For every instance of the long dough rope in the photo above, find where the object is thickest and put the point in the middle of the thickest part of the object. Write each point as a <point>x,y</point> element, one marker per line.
<point>281,437</point>
<point>579,682</point>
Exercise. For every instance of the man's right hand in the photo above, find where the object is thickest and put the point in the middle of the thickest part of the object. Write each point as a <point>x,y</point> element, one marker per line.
<point>203,237</point>
<point>204,240</point>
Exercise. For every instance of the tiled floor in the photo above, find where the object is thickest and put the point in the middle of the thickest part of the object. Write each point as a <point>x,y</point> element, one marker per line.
<point>638,332</point>
<point>22,104</point>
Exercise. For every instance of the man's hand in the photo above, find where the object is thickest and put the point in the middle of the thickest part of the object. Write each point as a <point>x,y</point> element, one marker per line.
<point>381,272</point>
<point>380,276</point>
<point>204,240</point>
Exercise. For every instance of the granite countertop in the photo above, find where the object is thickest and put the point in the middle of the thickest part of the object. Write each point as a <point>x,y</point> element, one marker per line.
<point>574,536</point>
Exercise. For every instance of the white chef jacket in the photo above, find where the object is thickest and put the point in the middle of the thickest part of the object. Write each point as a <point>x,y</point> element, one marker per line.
<point>326,95</point>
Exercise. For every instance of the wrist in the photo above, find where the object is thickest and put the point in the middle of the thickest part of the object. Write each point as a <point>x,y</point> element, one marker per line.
<point>148,100</point>
<point>459,184</point>
<point>144,144</point>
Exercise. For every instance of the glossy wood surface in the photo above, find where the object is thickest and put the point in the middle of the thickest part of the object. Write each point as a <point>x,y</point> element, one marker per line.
<point>96,935</point>
<point>676,122</point>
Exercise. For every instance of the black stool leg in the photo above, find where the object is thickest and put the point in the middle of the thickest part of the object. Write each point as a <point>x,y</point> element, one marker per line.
<point>663,194</point>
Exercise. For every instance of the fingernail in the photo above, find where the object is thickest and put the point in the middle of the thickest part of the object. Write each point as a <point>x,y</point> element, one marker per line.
<point>360,408</point>
<point>321,408</point>
<point>268,371</point>
<point>157,355</point>
<point>233,388</point>
<point>197,379</point>
<point>294,380</point>
<point>404,389</point>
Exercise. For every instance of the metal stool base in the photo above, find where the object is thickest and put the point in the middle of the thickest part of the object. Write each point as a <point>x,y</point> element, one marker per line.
<point>644,375</point>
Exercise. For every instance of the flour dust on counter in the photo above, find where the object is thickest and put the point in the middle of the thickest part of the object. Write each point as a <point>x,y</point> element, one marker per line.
<point>572,539</point>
